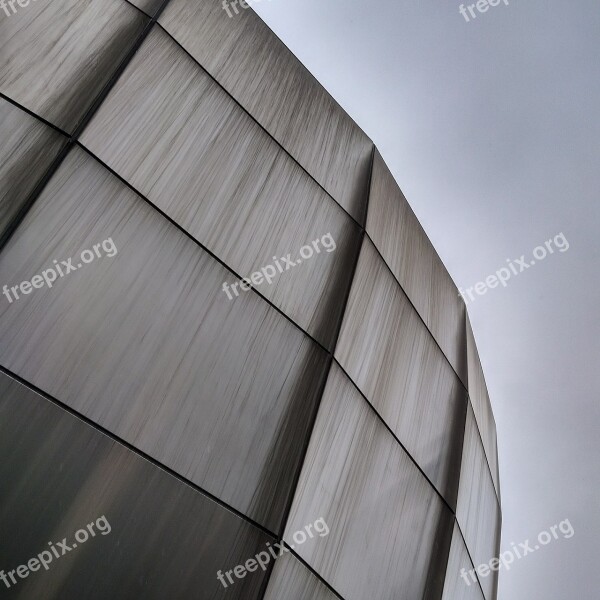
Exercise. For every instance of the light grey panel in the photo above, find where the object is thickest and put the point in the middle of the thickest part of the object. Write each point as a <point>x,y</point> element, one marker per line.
<point>160,537</point>
<point>148,6</point>
<point>28,147</point>
<point>55,56</point>
<point>391,356</point>
<point>390,532</point>
<point>145,344</point>
<point>173,133</point>
<point>405,247</point>
<point>478,511</point>
<point>291,580</point>
<point>482,408</point>
<point>459,582</point>
<point>251,63</point>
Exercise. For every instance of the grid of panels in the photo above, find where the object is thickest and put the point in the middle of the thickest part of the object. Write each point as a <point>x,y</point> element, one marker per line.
<point>225,394</point>
<point>253,65</point>
<point>65,474</point>
<point>387,351</point>
<point>144,344</point>
<point>400,239</point>
<point>380,510</point>
<point>180,140</point>
<point>55,57</point>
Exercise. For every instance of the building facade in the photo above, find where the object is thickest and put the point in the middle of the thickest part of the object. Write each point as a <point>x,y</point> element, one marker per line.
<point>221,323</point>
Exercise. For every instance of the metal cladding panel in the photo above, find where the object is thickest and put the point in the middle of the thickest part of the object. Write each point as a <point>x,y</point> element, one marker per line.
<point>388,352</point>
<point>55,57</point>
<point>28,147</point>
<point>256,68</point>
<point>456,587</point>
<point>478,511</point>
<point>389,532</point>
<point>398,235</point>
<point>482,408</point>
<point>159,538</point>
<point>173,133</point>
<point>148,6</point>
<point>291,580</point>
<point>145,344</point>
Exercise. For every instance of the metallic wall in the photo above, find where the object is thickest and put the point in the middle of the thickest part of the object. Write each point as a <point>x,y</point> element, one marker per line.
<point>204,428</point>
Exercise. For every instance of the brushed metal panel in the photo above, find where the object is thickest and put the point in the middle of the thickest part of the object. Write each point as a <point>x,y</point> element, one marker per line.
<point>28,147</point>
<point>455,587</point>
<point>399,237</point>
<point>251,63</point>
<point>148,6</point>
<point>478,511</point>
<point>145,344</point>
<point>482,408</point>
<point>291,580</point>
<point>173,133</point>
<point>389,353</point>
<point>166,540</point>
<point>56,56</point>
<point>390,532</point>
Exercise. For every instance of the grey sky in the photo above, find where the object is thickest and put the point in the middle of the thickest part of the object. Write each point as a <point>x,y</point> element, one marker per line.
<point>492,131</point>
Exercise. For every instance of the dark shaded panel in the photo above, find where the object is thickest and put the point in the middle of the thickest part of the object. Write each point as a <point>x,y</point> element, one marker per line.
<point>459,582</point>
<point>145,343</point>
<point>405,247</point>
<point>28,147</point>
<point>478,511</point>
<point>482,408</point>
<point>160,538</point>
<point>56,56</point>
<point>173,133</point>
<point>291,580</point>
<point>148,6</point>
<point>393,359</point>
<point>389,532</point>
<point>251,63</point>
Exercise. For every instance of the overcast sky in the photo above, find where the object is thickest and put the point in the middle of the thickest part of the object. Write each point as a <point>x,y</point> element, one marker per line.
<point>492,130</point>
